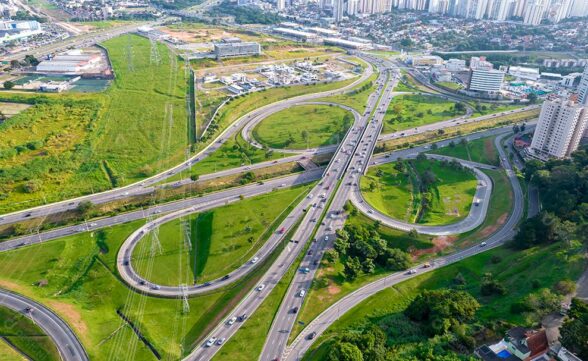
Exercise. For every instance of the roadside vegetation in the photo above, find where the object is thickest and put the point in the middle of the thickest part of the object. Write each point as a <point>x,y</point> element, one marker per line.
<point>17,332</point>
<point>303,127</point>
<point>357,97</point>
<point>211,244</point>
<point>447,313</point>
<point>410,111</point>
<point>420,191</point>
<point>479,150</point>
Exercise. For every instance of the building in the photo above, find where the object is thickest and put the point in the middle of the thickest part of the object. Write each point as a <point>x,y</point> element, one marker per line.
<point>519,344</point>
<point>583,88</point>
<point>232,49</point>
<point>296,34</point>
<point>338,7</point>
<point>480,63</point>
<point>16,30</point>
<point>72,62</point>
<point>559,130</point>
<point>488,81</point>
<point>570,80</point>
<point>524,73</point>
<point>534,11</point>
<point>347,43</point>
<point>426,60</point>
<point>455,65</point>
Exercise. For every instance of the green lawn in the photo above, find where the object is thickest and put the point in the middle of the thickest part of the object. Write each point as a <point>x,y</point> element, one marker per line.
<point>357,97</point>
<point>247,343</point>
<point>222,239</point>
<point>8,353</point>
<point>449,85</point>
<point>27,337</point>
<point>84,289</point>
<point>410,111</point>
<point>304,126</point>
<point>514,269</point>
<point>479,150</point>
<point>398,194</point>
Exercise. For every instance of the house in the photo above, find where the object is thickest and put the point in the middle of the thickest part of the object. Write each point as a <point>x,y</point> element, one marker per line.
<point>519,344</point>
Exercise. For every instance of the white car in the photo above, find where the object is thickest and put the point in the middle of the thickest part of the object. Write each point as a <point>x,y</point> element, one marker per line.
<point>232,321</point>
<point>301,293</point>
<point>210,341</point>
<point>483,244</point>
<point>261,287</point>
<point>220,341</point>
<point>254,260</point>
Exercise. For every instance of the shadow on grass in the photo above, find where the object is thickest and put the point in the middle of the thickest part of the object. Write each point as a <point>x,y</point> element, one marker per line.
<point>201,238</point>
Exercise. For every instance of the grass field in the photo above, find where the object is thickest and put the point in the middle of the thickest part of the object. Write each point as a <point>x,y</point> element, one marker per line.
<point>449,85</point>
<point>304,126</point>
<point>80,143</point>
<point>356,98</point>
<point>222,239</point>
<point>479,150</point>
<point>8,353</point>
<point>84,289</point>
<point>398,194</point>
<point>409,111</point>
<point>516,270</point>
<point>27,337</point>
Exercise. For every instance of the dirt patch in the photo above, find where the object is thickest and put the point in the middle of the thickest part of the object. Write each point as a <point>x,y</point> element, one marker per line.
<point>439,244</point>
<point>489,149</point>
<point>493,228</point>
<point>332,289</point>
<point>11,286</point>
<point>72,316</point>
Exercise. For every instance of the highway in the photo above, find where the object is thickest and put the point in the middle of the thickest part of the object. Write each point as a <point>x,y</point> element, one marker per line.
<point>302,342</point>
<point>475,217</point>
<point>137,188</point>
<point>285,318</point>
<point>218,198</point>
<point>329,186</point>
<point>68,345</point>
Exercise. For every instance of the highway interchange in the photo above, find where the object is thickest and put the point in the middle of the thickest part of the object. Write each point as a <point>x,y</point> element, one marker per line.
<point>314,220</point>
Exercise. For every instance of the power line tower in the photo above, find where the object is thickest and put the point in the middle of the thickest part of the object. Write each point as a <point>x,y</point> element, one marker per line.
<point>185,303</point>
<point>129,51</point>
<point>155,242</point>
<point>155,58</point>
<point>187,234</point>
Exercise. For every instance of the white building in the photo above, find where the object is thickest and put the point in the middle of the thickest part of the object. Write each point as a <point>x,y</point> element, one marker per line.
<point>455,65</point>
<point>583,88</point>
<point>426,60</point>
<point>559,130</point>
<point>480,63</point>
<point>232,49</point>
<point>488,81</point>
<point>524,73</point>
<point>72,62</point>
<point>15,30</point>
<point>534,11</point>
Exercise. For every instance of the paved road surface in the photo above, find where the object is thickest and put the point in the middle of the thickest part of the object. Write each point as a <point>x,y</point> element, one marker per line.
<point>64,338</point>
<point>317,199</point>
<point>302,342</point>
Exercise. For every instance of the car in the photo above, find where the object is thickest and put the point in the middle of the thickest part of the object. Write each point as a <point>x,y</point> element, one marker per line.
<point>370,211</point>
<point>483,244</point>
<point>254,260</point>
<point>427,265</point>
<point>294,310</point>
<point>282,230</point>
<point>310,252</point>
<point>226,277</point>
<point>412,271</point>
<point>210,341</point>
<point>261,287</point>
<point>220,341</point>
<point>301,293</point>
<point>231,321</point>
<point>326,238</point>
<point>242,318</point>
<point>305,270</point>
<point>311,335</point>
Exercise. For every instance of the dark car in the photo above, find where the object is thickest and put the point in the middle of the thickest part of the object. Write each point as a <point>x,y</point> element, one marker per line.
<point>226,277</point>
<point>311,335</point>
<point>295,310</point>
<point>242,318</point>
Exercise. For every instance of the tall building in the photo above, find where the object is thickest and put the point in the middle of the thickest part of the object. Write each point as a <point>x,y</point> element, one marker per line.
<point>534,12</point>
<point>338,10</point>
<point>374,6</point>
<point>559,130</point>
<point>579,8</point>
<point>352,7</point>
<point>583,88</point>
<point>280,4</point>
<point>487,81</point>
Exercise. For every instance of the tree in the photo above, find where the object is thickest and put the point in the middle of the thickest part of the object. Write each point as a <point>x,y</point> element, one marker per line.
<point>574,331</point>
<point>194,177</point>
<point>459,107</point>
<point>532,97</point>
<point>31,60</point>
<point>413,233</point>
<point>345,351</point>
<point>368,266</point>
<point>543,302</point>
<point>32,186</point>
<point>396,259</point>
<point>9,85</point>
<point>406,42</point>
<point>490,286</point>
<point>85,207</point>
<point>331,255</point>
<point>421,157</point>
<point>565,287</point>
<point>437,310</point>
<point>352,268</point>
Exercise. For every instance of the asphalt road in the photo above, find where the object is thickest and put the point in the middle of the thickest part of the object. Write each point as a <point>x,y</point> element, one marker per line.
<point>285,318</point>
<point>303,342</point>
<point>138,188</point>
<point>68,345</point>
<point>316,200</point>
<point>218,198</point>
<point>475,217</point>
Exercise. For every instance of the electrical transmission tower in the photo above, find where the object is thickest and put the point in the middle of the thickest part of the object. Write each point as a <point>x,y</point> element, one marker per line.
<point>185,303</point>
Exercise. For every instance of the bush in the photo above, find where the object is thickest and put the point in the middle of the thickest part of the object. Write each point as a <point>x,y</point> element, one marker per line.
<point>565,287</point>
